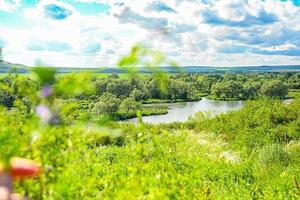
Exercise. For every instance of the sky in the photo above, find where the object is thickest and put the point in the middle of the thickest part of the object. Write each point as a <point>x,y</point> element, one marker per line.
<point>97,33</point>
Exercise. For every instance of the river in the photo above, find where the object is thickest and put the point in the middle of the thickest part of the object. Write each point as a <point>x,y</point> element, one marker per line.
<point>180,112</point>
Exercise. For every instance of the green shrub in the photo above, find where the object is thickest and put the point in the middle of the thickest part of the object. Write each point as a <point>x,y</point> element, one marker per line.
<point>294,151</point>
<point>274,154</point>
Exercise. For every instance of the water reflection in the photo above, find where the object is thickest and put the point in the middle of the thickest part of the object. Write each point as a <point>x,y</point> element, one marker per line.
<point>179,112</point>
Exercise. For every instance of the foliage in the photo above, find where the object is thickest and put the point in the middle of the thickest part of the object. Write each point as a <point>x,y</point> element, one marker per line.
<point>259,122</point>
<point>274,154</point>
<point>274,88</point>
<point>85,161</point>
<point>108,104</point>
<point>130,105</point>
<point>78,86</point>
<point>46,76</point>
<point>228,89</point>
<point>252,153</point>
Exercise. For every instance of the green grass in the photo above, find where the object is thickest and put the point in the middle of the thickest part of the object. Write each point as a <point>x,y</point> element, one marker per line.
<point>294,93</point>
<point>154,101</point>
<point>146,111</point>
<point>248,154</point>
<point>252,153</point>
<point>224,99</point>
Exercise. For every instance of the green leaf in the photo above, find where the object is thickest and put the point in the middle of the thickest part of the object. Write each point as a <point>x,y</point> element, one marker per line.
<point>46,75</point>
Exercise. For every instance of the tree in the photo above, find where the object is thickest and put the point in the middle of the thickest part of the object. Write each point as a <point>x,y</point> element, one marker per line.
<point>178,89</point>
<point>7,92</point>
<point>139,95</point>
<point>107,104</point>
<point>294,81</point>
<point>203,84</point>
<point>101,85</point>
<point>234,89</point>
<point>113,76</point>
<point>118,87</point>
<point>229,89</point>
<point>6,98</point>
<point>130,105</point>
<point>274,88</point>
<point>152,88</point>
<point>217,89</point>
<point>251,90</point>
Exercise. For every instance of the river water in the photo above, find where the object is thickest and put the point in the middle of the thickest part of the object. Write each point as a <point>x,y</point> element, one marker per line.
<point>180,112</point>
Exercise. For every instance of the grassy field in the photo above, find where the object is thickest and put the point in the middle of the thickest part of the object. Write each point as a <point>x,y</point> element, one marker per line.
<point>294,93</point>
<point>251,153</point>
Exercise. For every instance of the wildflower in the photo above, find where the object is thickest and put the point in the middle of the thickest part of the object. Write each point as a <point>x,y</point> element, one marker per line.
<point>46,91</point>
<point>23,168</point>
<point>140,134</point>
<point>158,176</point>
<point>230,157</point>
<point>55,119</point>
<point>35,136</point>
<point>44,113</point>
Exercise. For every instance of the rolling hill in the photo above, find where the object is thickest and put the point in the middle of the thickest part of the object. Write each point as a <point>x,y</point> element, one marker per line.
<point>6,67</point>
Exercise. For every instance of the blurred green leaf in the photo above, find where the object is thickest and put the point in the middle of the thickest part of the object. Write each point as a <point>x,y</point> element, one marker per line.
<point>46,75</point>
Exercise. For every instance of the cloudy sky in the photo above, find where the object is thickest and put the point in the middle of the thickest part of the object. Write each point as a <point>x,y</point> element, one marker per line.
<point>93,33</point>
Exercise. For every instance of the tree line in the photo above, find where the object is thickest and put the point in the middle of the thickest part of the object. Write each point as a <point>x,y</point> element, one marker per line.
<point>123,94</point>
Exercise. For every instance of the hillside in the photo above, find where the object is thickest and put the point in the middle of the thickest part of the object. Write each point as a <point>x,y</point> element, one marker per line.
<point>6,67</point>
<point>10,67</point>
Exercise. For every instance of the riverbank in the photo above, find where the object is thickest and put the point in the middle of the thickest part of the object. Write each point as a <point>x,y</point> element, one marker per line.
<point>293,93</point>
<point>181,111</point>
<point>144,112</point>
<point>154,101</point>
<point>224,99</point>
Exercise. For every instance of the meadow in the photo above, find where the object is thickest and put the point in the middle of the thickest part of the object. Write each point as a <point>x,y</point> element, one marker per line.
<point>252,153</point>
<point>68,123</point>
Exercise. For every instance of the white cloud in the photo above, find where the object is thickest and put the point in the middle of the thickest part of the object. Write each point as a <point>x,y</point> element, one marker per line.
<point>9,6</point>
<point>283,47</point>
<point>231,10</point>
<point>191,32</point>
<point>37,13</point>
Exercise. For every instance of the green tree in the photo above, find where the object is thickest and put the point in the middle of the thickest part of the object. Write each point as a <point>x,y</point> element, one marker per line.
<point>101,85</point>
<point>178,89</point>
<point>7,92</point>
<point>229,89</point>
<point>6,98</point>
<point>152,87</point>
<point>274,88</point>
<point>203,84</point>
<point>130,105</point>
<point>251,90</point>
<point>118,87</point>
<point>139,95</point>
<point>294,81</point>
<point>113,76</point>
<point>107,104</point>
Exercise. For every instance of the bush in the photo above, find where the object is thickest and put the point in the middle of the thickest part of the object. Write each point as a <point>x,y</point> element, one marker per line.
<point>259,122</point>
<point>294,151</point>
<point>274,88</point>
<point>108,104</point>
<point>274,154</point>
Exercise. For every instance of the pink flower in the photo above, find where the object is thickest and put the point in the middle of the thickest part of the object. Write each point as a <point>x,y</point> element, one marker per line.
<point>44,113</point>
<point>46,91</point>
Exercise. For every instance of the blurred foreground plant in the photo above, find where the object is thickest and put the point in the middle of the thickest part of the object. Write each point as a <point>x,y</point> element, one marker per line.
<point>17,169</point>
<point>50,136</point>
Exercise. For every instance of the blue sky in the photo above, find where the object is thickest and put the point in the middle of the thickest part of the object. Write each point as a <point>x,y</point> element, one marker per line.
<point>94,33</point>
